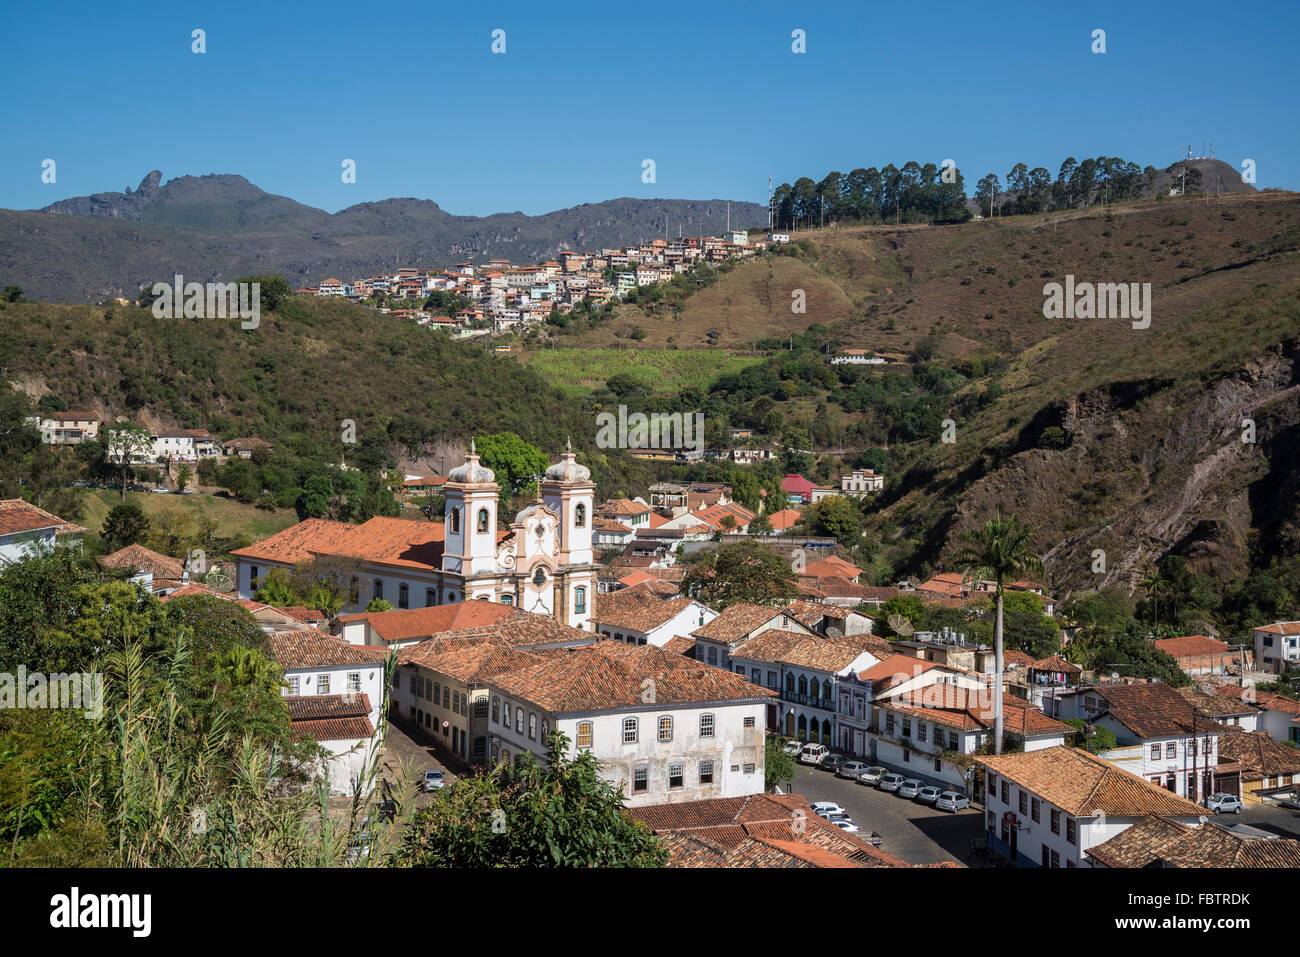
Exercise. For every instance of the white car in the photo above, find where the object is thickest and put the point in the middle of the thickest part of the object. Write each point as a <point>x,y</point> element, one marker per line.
<point>433,780</point>
<point>160,491</point>
<point>843,822</point>
<point>792,747</point>
<point>813,753</point>
<point>827,808</point>
<point>1224,803</point>
<point>872,775</point>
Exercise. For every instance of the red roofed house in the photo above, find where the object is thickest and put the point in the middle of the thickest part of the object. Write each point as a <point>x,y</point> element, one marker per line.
<point>664,728</point>
<point>1200,655</point>
<point>334,692</point>
<point>798,488</point>
<point>1046,808</point>
<point>26,529</point>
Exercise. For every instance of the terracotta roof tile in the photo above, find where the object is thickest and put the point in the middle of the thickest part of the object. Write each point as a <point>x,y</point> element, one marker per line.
<point>1082,784</point>
<point>637,610</point>
<point>140,559</point>
<point>737,622</point>
<point>405,624</point>
<point>593,679</point>
<point>312,649</point>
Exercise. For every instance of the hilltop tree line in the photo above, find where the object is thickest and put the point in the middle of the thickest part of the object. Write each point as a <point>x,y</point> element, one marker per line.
<point>930,193</point>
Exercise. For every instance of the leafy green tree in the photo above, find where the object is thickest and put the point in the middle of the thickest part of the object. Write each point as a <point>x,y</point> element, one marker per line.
<point>905,605</point>
<point>273,290</point>
<point>127,442</point>
<point>276,589</point>
<point>379,604</point>
<point>1091,737</point>
<point>560,813</point>
<point>777,765</point>
<point>125,525</point>
<point>183,476</point>
<point>1027,627</point>
<point>999,550</point>
<point>838,517</point>
<point>745,572</point>
<point>515,462</point>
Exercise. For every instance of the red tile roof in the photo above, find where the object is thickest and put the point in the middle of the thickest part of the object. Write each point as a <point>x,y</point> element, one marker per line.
<point>17,516</point>
<point>307,648</point>
<point>140,559</point>
<point>406,624</point>
<point>591,678</point>
<point>1081,784</point>
<point>1193,645</point>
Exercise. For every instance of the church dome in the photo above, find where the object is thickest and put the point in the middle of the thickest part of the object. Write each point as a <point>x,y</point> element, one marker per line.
<point>567,470</point>
<point>472,473</point>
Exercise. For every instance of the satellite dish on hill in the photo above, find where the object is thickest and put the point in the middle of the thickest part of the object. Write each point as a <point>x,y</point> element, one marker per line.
<point>1114,676</point>
<point>900,625</point>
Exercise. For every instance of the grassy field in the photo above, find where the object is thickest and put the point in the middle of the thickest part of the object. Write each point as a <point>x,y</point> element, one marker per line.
<point>580,370</point>
<point>233,519</point>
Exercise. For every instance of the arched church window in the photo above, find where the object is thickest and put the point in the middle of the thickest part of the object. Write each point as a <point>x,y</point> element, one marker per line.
<point>482,520</point>
<point>455,520</point>
<point>580,516</point>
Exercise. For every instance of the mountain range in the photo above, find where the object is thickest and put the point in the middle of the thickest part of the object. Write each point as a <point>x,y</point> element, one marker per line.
<point>220,226</point>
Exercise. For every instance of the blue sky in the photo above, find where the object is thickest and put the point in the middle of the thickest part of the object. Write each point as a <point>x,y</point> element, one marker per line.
<point>710,91</point>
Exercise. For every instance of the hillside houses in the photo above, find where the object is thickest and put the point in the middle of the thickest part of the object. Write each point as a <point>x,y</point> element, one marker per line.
<point>508,296</point>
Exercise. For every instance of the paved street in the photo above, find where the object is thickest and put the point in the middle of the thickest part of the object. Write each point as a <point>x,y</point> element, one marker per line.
<point>1281,821</point>
<point>914,832</point>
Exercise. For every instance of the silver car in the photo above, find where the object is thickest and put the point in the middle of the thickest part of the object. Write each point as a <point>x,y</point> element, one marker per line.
<point>1224,803</point>
<point>909,788</point>
<point>928,794</point>
<point>850,770</point>
<point>843,822</point>
<point>890,782</point>
<point>952,801</point>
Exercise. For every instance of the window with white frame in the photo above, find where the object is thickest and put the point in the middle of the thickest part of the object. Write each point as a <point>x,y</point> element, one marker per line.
<point>676,777</point>
<point>323,683</point>
<point>640,780</point>
<point>665,728</point>
<point>706,726</point>
<point>706,772</point>
<point>354,682</point>
<point>629,731</point>
<point>294,684</point>
<point>584,734</point>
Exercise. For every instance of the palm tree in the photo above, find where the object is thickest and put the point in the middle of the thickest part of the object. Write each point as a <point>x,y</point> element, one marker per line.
<point>1000,551</point>
<point>1155,585</point>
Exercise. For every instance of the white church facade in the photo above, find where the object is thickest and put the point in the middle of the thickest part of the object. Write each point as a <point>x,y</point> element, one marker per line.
<point>542,562</point>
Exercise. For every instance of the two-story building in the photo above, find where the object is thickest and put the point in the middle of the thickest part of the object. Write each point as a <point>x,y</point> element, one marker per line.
<point>335,693</point>
<point>718,640</point>
<point>26,530</point>
<point>1277,646</point>
<point>664,728</point>
<point>804,668</point>
<point>1046,808</point>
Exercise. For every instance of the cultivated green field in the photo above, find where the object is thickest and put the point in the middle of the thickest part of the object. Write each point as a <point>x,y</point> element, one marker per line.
<point>233,519</point>
<point>579,371</point>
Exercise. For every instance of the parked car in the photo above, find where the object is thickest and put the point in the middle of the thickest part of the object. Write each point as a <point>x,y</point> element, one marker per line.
<point>832,763</point>
<point>792,747</point>
<point>1224,803</point>
<point>827,808</point>
<point>844,823</point>
<point>952,801</point>
<point>872,774</point>
<point>890,782</point>
<point>928,794</point>
<point>160,491</point>
<point>850,770</point>
<point>909,788</point>
<point>813,753</point>
<point>433,780</point>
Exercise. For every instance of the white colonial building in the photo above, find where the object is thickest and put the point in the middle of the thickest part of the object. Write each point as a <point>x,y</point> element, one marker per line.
<point>663,727</point>
<point>335,693</point>
<point>542,563</point>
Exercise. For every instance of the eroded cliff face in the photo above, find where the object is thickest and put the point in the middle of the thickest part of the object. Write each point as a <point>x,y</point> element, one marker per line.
<point>1153,468</point>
